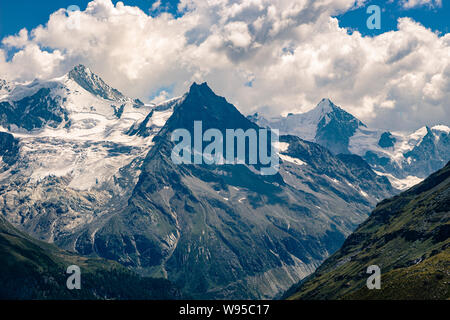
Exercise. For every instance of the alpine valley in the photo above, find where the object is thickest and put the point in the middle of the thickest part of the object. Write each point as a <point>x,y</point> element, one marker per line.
<point>407,236</point>
<point>89,171</point>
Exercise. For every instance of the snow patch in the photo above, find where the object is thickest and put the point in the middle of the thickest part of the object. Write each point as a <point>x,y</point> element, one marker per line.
<point>282,146</point>
<point>292,160</point>
<point>441,128</point>
<point>401,184</point>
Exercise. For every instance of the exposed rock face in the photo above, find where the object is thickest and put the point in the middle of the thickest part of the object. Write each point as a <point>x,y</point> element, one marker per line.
<point>9,150</point>
<point>33,111</point>
<point>101,182</point>
<point>227,231</point>
<point>387,140</point>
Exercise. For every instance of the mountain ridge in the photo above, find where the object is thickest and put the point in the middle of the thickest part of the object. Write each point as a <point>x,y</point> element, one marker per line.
<point>195,206</point>
<point>404,158</point>
<point>104,185</point>
<point>407,236</point>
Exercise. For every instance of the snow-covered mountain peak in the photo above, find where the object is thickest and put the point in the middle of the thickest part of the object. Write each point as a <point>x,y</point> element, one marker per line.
<point>419,134</point>
<point>322,110</point>
<point>79,104</point>
<point>4,85</point>
<point>81,69</point>
<point>426,132</point>
<point>92,83</point>
<point>404,157</point>
<point>441,128</point>
<point>75,127</point>
<point>5,88</point>
<point>326,106</point>
<point>325,122</point>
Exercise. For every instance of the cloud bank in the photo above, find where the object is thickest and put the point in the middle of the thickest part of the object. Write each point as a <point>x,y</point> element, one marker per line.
<point>277,56</point>
<point>408,4</point>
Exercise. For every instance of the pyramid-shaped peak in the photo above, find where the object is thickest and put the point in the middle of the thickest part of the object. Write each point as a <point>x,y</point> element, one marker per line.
<point>80,69</point>
<point>81,73</point>
<point>202,104</point>
<point>326,106</point>
<point>91,82</point>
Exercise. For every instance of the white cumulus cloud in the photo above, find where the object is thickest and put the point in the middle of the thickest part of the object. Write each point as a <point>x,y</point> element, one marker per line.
<point>408,4</point>
<point>278,56</point>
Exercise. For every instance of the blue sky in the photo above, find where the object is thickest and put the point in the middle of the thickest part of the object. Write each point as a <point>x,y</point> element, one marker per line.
<point>18,14</point>
<point>268,56</point>
<point>436,19</point>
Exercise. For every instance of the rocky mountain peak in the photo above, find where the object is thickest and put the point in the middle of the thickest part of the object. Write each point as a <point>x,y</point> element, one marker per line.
<point>92,83</point>
<point>202,104</point>
<point>200,87</point>
<point>5,86</point>
<point>326,106</point>
<point>81,68</point>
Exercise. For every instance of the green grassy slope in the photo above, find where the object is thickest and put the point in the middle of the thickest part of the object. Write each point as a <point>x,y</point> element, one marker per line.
<point>407,236</point>
<point>31,269</point>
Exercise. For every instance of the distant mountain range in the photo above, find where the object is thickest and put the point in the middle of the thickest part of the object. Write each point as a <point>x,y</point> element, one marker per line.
<point>407,236</point>
<point>89,169</point>
<point>405,158</point>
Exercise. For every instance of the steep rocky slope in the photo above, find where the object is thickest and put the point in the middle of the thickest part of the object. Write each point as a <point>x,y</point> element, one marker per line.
<point>31,269</point>
<point>407,236</point>
<point>225,231</point>
<point>101,182</point>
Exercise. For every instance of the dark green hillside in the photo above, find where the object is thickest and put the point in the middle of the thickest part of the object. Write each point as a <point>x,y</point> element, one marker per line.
<point>31,269</point>
<point>408,236</point>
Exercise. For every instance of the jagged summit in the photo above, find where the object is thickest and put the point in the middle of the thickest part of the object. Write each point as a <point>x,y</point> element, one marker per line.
<point>201,89</point>
<point>202,96</point>
<point>92,83</point>
<point>201,103</point>
<point>81,72</point>
<point>326,106</point>
<point>327,124</point>
<point>5,87</point>
<point>203,85</point>
<point>334,126</point>
<point>80,68</point>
